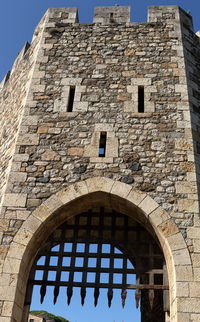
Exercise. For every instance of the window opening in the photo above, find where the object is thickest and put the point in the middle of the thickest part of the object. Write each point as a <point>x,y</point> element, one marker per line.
<point>141,99</point>
<point>112,17</point>
<point>71,99</point>
<point>102,144</point>
<point>127,259</point>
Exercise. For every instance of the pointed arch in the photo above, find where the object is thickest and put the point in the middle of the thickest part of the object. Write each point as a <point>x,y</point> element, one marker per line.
<point>77,198</point>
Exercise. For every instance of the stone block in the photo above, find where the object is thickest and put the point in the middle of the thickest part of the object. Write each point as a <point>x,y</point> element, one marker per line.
<point>195,289</point>
<point>184,273</point>
<point>188,205</point>
<point>21,157</point>
<point>130,106</point>
<point>193,233</point>
<point>16,250</point>
<point>11,265</point>
<point>28,139</point>
<point>103,127</point>
<point>188,305</point>
<point>17,177</point>
<point>50,155</point>
<point>158,216</point>
<point>183,144</point>
<point>75,151</point>
<point>136,196</point>
<point>141,81</point>
<point>7,293</point>
<point>23,237</point>
<point>99,184</point>
<point>42,212</point>
<point>121,189</point>
<point>168,228</point>
<point>194,318</point>
<point>15,200</point>
<point>80,106</point>
<point>148,205</point>
<point>181,257</point>
<point>73,192</point>
<point>71,81</point>
<point>176,242</point>
<point>181,88</point>
<point>31,224</point>
<point>101,160</point>
<point>196,260</point>
<point>185,187</point>
<point>91,151</point>
<point>112,148</point>
<point>182,289</point>
<point>30,120</point>
<point>53,203</point>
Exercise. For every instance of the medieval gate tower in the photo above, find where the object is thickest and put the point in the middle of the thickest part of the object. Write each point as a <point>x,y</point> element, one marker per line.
<point>100,143</point>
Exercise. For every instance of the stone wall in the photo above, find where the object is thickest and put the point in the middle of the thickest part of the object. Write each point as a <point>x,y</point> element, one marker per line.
<point>151,151</point>
<point>106,63</point>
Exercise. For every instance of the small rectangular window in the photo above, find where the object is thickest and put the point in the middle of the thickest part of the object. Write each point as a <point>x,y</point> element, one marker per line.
<point>71,99</point>
<point>141,99</point>
<point>102,144</point>
<point>111,17</point>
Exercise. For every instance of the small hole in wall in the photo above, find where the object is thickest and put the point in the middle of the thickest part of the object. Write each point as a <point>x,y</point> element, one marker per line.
<point>102,144</point>
<point>111,16</point>
<point>141,99</point>
<point>71,99</point>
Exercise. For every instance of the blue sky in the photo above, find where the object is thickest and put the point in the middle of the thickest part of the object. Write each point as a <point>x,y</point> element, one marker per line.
<point>18,19</point>
<point>87,313</point>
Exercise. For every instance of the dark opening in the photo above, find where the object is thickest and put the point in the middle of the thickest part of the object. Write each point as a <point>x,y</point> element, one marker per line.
<point>141,99</point>
<point>71,99</point>
<point>102,144</point>
<point>111,16</point>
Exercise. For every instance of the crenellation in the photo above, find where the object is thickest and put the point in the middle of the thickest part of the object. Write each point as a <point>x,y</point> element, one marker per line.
<point>5,80</point>
<point>20,56</point>
<point>116,14</point>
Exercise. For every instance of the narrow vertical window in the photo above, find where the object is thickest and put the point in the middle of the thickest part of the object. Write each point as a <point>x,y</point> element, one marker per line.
<point>71,99</point>
<point>111,16</point>
<point>102,144</point>
<point>141,99</point>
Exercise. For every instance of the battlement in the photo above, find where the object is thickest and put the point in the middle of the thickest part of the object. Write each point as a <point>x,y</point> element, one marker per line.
<point>116,14</point>
<point>102,16</point>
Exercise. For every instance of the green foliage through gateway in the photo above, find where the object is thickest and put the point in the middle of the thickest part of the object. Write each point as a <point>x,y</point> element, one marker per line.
<point>49,316</point>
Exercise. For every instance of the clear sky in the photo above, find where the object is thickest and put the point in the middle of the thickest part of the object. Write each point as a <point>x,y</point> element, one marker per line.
<point>18,19</point>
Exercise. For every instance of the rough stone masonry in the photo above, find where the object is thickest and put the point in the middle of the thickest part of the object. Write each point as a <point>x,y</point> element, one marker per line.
<point>110,67</point>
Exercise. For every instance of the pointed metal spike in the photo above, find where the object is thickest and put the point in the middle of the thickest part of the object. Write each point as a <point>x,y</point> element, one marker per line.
<point>151,298</point>
<point>83,295</point>
<point>96,295</point>
<point>42,293</point>
<point>69,294</point>
<point>110,297</point>
<point>56,293</point>
<point>137,298</point>
<point>123,296</point>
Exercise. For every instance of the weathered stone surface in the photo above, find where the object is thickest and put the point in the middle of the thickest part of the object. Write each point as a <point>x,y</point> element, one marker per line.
<point>151,158</point>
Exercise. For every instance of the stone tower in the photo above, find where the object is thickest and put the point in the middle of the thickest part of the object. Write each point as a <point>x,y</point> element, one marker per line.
<point>103,114</point>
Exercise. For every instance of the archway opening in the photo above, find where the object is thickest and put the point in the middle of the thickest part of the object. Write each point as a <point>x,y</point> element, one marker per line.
<point>102,249</point>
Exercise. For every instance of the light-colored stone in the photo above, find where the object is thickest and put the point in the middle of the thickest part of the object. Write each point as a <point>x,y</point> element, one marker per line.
<point>15,200</point>
<point>148,205</point>
<point>28,139</point>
